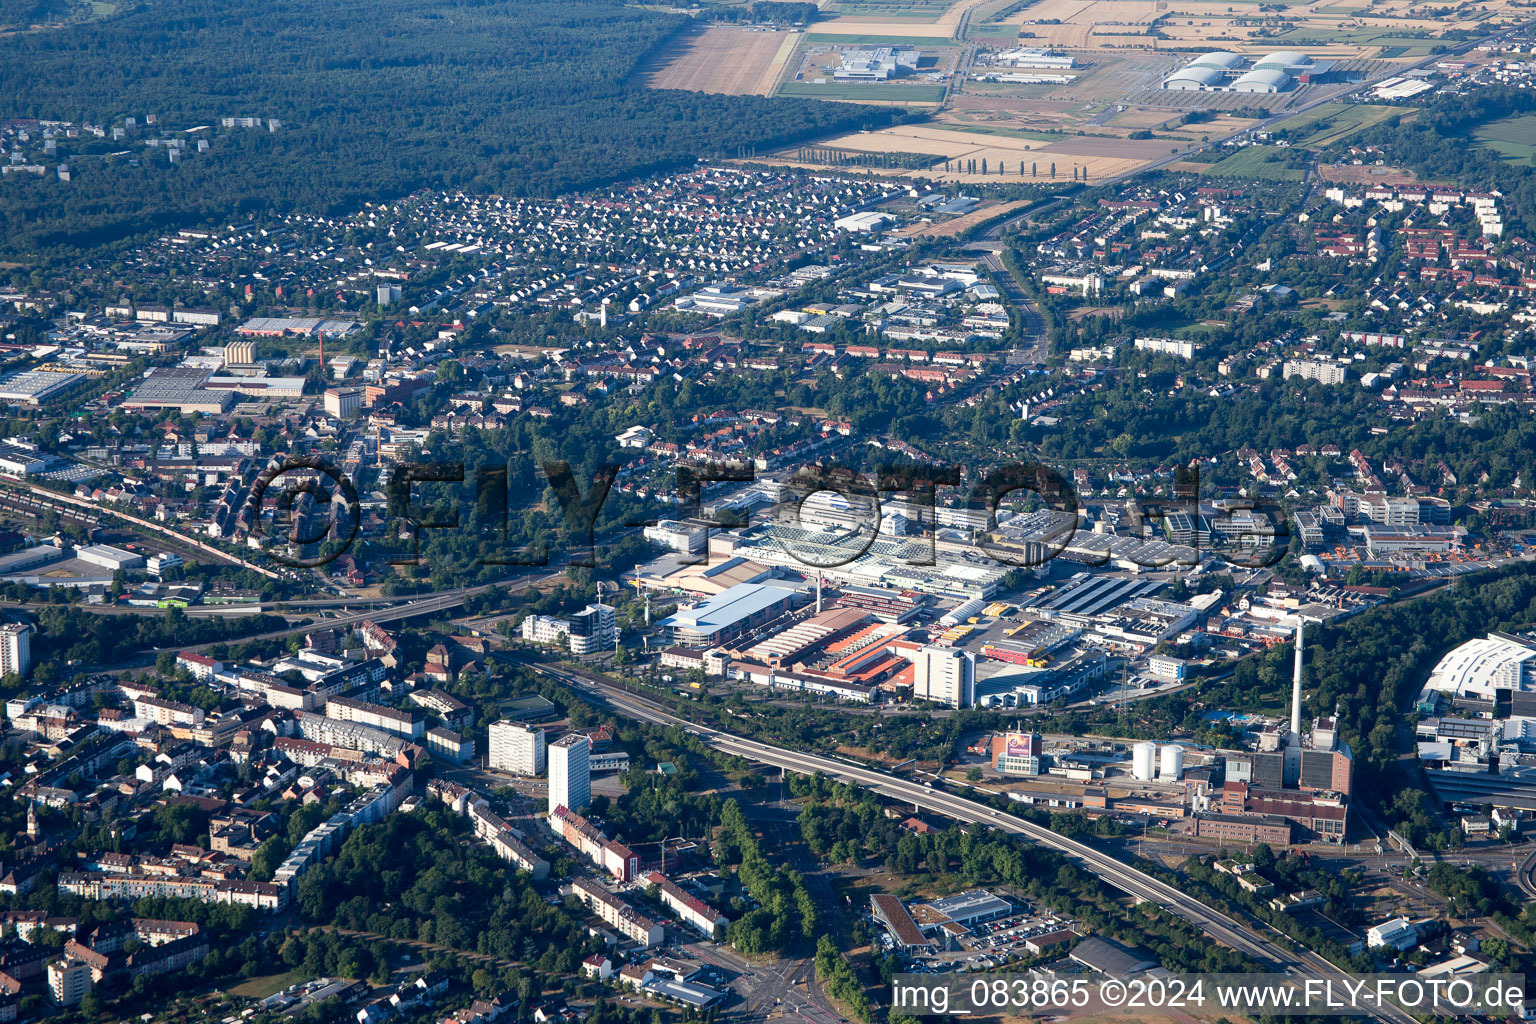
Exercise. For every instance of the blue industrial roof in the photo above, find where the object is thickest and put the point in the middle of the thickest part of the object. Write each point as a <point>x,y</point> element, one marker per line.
<point>727,608</point>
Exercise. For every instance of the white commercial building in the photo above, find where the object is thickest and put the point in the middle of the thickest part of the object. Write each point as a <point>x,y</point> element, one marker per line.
<point>545,629</point>
<point>1037,58</point>
<point>593,629</point>
<point>1398,933</point>
<point>516,747</point>
<point>570,773</point>
<point>945,675</point>
<point>867,221</point>
<point>343,402</point>
<point>109,557</point>
<point>1479,668</point>
<point>589,631</point>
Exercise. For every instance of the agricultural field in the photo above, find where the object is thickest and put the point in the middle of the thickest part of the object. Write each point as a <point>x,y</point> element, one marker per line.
<point>974,156</point>
<point>1343,29</point>
<point>1513,138</point>
<point>865,92</point>
<point>1327,124</point>
<point>726,59</point>
<point>957,226</point>
<point>899,18</point>
<point>928,10</point>
<point>1263,163</point>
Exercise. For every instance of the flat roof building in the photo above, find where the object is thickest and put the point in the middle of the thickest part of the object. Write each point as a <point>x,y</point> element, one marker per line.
<point>728,614</point>
<point>34,387</point>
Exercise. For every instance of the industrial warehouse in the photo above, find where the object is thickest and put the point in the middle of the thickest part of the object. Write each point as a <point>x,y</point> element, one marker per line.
<point>1224,71</point>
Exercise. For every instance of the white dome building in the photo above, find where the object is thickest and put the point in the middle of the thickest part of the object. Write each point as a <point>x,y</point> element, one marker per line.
<point>1262,80</point>
<point>1193,79</point>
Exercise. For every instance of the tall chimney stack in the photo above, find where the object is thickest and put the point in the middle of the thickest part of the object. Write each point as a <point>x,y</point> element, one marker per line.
<point>1296,682</point>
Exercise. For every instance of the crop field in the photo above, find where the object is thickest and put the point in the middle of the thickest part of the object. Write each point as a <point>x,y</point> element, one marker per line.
<point>1264,163</point>
<point>1005,157</point>
<point>866,92</point>
<point>726,59</point>
<point>1513,138</point>
<point>932,10</point>
<point>1388,28</point>
<point>925,42</point>
<point>1331,122</point>
<point>903,18</point>
<point>956,226</point>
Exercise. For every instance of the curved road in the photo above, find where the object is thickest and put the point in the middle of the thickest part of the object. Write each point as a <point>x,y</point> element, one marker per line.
<point>1238,935</point>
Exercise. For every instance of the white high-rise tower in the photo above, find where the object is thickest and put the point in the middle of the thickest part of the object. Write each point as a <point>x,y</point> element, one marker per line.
<point>570,784</point>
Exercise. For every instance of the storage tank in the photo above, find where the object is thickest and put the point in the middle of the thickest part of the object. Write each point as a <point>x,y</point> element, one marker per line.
<point>1172,762</point>
<point>1144,761</point>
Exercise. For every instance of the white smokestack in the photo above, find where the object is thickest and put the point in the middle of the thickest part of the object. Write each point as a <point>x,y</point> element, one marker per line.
<point>818,593</point>
<point>1296,682</point>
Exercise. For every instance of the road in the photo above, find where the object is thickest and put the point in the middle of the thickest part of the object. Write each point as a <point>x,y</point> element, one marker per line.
<point>1525,877</point>
<point>1032,324</point>
<point>425,605</point>
<point>1242,936</point>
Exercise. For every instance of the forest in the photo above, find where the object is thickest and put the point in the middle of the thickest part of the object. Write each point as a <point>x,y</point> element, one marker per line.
<point>374,101</point>
<point>1439,146</point>
<point>22,13</point>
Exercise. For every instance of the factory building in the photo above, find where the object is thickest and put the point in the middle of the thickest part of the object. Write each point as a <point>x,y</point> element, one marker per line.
<point>727,615</point>
<point>878,64</point>
<point>1036,58</point>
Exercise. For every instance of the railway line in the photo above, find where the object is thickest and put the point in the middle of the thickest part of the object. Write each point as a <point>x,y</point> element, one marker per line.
<point>1243,936</point>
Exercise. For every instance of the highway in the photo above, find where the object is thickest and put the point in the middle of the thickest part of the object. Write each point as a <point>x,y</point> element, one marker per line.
<point>1031,323</point>
<point>1241,936</point>
<point>1525,876</point>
